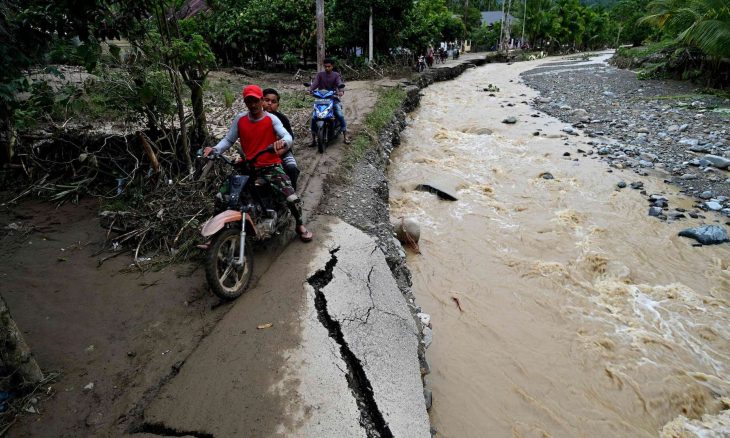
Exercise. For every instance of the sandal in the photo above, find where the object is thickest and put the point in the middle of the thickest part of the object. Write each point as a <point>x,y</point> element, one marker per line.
<point>345,139</point>
<point>304,234</point>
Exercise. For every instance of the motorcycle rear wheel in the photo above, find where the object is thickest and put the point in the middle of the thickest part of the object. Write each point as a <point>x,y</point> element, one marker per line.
<point>227,280</point>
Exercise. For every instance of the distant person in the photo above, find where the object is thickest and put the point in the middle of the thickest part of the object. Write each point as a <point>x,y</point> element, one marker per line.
<point>271,105</point>
<point>330,80</point>
<point>429,56</point>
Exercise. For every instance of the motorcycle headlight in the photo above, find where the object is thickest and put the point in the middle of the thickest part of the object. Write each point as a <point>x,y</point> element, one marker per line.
<point>322,114</point>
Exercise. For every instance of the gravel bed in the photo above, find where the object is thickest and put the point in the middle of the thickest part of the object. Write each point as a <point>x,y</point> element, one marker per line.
<point>663,127</point>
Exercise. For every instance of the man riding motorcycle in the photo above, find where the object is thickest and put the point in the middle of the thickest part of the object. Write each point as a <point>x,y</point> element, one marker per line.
<point>330,80</point>
<point>256,130</point>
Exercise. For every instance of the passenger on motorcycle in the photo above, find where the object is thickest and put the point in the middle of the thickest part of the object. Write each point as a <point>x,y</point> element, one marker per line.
<point>256,130</point>
<point>271,105</point>
<point>330,80</point>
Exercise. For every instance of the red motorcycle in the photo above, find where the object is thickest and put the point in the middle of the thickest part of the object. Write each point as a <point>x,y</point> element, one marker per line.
<point>252,212</point>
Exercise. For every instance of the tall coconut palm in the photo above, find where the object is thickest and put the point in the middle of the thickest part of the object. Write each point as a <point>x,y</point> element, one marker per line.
<point>704,24</point>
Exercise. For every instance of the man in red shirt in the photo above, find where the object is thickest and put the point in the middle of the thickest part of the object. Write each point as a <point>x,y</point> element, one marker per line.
<point>256,130</point>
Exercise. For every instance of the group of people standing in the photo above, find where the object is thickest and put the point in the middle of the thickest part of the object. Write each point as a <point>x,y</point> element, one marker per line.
<point>263,125</point>
<point>444,52</point>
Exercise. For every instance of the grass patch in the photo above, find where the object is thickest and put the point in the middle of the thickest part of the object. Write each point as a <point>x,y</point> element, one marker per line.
<point>225,91</point>
<point>643,51</point>
<point>722,94</point>
<point>294,100</point>
<point>389,100</point>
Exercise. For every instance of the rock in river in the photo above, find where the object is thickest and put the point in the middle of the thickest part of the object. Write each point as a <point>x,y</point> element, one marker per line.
<point>655,211</point>
<point>713,205</point>
<point>707,234</point>
<point>717,161</point>
<point>408,230</point>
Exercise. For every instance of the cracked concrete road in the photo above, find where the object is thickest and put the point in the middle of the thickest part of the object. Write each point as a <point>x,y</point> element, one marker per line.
<point>299,377</point>
<point>377,331</point>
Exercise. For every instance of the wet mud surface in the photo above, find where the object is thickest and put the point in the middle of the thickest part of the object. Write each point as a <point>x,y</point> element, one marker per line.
<point>111,335</point>
<point>109,324</point>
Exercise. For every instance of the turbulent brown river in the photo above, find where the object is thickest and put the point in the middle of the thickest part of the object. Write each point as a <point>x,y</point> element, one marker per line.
<point>580,315</point>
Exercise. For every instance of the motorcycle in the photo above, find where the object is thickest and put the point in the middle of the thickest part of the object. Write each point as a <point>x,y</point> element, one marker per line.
<point>251,213</point>
<point>327,128</point>
<point>421,64</point>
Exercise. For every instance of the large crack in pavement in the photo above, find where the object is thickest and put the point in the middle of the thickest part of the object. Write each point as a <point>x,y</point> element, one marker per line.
<point>371,419</point>
<point>162,430</point>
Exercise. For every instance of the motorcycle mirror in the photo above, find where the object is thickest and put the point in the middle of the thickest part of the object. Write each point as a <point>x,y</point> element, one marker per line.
<point>341,86</point>
<point>307,84</point>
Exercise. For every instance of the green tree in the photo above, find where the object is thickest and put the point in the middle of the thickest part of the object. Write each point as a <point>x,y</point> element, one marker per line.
<point>178,47</point>
<point>430,22</point>
<point>259,31</point>
<point>194,60</point>
<point>347,23</point>
<point>486,36</point>
<point>27,29</point>
<point>704,24</point>
<point>627,13</point>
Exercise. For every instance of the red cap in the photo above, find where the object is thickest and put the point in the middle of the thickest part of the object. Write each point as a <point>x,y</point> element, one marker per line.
<point>253,90</point>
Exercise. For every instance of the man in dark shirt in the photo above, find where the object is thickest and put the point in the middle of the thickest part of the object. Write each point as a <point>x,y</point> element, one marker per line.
<point>271,104</point>
<point>330,80</point>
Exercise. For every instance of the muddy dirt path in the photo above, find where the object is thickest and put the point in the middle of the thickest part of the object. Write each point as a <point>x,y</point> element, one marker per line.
<point>116,336</point>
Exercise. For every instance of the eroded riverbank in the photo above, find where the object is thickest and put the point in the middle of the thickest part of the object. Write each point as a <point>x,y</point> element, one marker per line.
<point>578,314</point>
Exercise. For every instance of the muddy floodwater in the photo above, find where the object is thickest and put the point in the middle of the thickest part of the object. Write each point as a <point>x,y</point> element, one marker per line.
<point>559,307</point>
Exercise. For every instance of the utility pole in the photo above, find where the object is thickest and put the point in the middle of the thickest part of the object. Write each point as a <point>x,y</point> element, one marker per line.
<point>501,29</point>
<point>508,32</point>
<point>466,9</point>
<point>320,35</point>
<point>370,37</point>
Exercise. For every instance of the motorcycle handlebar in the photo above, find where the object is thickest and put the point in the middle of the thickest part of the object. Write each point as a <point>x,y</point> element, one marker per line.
<point>215,155</point>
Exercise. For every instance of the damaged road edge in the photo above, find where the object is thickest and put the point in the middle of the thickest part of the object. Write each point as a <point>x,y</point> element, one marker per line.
<point>371,419</point>
<point>162,430</point>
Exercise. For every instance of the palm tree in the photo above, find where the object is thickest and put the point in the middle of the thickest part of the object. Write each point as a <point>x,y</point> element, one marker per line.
<point>704,24</point>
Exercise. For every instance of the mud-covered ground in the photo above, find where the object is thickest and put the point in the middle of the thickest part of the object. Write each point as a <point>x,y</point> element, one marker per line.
<point>662,126</point>
<point>114,334</point>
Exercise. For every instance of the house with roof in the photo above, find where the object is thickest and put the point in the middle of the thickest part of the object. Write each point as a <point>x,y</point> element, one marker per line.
<point>491,17</point>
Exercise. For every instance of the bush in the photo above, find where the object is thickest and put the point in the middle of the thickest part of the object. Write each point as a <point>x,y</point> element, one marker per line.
<point>290,61</point>
<point>645,51</point>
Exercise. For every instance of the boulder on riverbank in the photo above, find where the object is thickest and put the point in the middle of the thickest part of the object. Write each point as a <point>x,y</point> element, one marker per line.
<point>707,234</point>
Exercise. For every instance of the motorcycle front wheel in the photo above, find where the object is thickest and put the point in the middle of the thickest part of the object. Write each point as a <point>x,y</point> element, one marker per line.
<point>321,139</point>
<point>228,280</point>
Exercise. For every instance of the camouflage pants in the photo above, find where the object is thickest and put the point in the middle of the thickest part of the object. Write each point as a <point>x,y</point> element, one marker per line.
<point>281,184</point>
